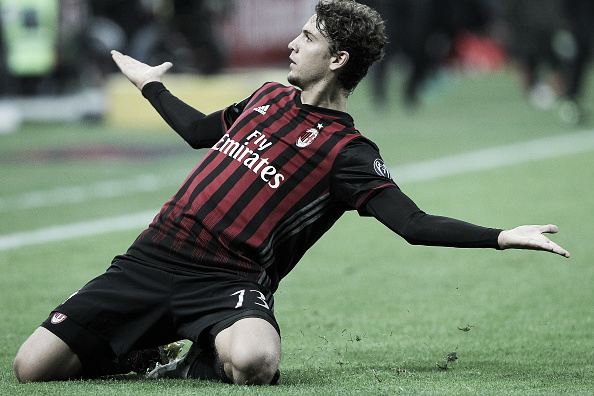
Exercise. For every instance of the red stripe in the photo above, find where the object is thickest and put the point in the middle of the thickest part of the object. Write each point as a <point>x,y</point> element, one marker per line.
<point>371,192</point>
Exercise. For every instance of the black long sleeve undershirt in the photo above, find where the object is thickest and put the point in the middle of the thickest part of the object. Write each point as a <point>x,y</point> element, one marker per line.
<point>196,128</point>
<point>398,212</point>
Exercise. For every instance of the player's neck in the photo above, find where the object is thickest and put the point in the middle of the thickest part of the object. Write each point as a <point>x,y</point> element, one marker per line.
<point>326,96</point>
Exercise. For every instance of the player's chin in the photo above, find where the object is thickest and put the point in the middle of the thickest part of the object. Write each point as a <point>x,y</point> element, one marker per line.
<point>293,79</point>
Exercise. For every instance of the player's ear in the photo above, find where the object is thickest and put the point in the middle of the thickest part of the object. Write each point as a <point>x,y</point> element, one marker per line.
<point>339,60</point>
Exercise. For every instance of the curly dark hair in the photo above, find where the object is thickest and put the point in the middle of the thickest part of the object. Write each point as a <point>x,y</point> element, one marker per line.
<point>355,28</point>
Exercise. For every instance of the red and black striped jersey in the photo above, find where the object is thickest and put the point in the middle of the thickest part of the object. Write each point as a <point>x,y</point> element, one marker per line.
<point>278,177</point>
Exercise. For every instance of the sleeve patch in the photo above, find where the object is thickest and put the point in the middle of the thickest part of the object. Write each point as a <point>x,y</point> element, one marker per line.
<point>381,169</point>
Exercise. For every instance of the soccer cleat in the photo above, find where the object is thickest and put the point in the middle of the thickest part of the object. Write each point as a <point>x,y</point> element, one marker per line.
<point>146,360</point>
<point>178,368</point>
<point>196,364</point>
<point>171,352</point>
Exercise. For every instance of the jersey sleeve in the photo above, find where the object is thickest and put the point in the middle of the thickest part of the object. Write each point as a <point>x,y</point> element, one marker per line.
<point>358,174</point>
<point>399,213</point>
<point>196,128</point>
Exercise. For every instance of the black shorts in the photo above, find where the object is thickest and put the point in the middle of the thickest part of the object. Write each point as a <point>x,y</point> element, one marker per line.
<point>133,306</point>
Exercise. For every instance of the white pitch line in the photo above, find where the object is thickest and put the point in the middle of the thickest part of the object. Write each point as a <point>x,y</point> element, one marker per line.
<point>76,230</point>
<point>98,190</point>
<point>497,157</point>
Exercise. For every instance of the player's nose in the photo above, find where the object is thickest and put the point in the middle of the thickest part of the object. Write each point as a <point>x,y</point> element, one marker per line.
<point>293,45</point>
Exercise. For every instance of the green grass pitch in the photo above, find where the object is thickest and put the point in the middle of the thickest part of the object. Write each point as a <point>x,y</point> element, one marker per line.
<point>364,312</point>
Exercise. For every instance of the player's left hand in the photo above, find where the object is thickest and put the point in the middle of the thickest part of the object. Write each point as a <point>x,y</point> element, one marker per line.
<point>531,237</point>
<point>137,72</point>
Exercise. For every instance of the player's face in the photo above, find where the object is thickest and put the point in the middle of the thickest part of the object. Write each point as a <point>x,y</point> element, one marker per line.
<point>310,57</point>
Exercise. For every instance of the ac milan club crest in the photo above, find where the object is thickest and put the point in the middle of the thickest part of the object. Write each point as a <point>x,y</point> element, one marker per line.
<point>58,318</point>
<point>307,137</point>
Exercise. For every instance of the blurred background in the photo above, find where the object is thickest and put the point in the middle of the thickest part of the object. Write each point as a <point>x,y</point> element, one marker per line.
<point>55,63</point>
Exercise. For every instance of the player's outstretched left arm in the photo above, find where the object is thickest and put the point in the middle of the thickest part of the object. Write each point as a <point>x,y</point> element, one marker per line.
<point>531,237</point>
<point>137,72</point>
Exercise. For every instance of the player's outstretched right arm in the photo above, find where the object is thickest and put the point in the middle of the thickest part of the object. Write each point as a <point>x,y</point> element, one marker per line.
<point>137,72</point>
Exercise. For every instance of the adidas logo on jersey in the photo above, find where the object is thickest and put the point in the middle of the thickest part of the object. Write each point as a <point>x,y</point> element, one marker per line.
<point>262,109</point>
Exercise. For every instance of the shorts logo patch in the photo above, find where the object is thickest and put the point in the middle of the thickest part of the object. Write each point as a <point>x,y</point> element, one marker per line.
<point>58,318</point>
<point>381,168</point>
<point>307,137</point>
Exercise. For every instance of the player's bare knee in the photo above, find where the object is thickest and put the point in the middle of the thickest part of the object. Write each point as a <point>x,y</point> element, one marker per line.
<point>251,351</point>
<point>255,367</point>
<point>45,357</point>
<point>18,369</point>
<point>32,368</point>
<point>25,369</point>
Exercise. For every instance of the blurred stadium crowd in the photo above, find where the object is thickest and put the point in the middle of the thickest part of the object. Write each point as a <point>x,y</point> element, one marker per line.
<point>59,48</point>
<point>549,42</point>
